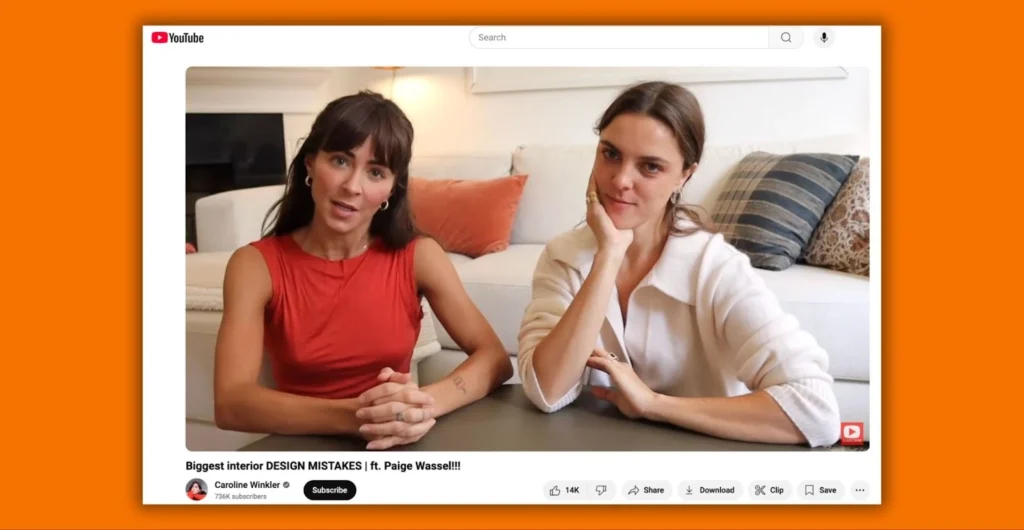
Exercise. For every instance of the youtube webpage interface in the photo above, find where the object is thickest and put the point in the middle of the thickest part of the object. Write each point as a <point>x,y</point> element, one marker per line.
<point>512,265</point>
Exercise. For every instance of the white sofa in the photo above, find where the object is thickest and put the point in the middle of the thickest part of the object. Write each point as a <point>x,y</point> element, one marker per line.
<point>833,306</point>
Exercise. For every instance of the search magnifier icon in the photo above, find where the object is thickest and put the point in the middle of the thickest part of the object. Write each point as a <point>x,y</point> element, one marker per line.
<point>786,37</point>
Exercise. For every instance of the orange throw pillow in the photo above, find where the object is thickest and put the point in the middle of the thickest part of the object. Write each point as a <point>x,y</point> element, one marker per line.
<point>470,217</point>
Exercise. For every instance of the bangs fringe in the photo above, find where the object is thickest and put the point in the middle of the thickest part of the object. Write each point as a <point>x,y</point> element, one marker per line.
<point>361,122</point>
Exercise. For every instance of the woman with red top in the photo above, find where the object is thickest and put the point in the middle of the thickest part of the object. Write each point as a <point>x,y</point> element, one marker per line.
<point>195,491</point>
<point>332,293</point>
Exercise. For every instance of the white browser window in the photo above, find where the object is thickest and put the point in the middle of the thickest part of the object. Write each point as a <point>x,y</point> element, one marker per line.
<point>507,138</point>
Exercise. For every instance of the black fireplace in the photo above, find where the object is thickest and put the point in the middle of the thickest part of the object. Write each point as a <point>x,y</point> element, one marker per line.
<point>226,152</point>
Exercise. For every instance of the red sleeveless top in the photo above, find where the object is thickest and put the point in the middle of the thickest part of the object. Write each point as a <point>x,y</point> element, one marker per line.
<point>331,326</point>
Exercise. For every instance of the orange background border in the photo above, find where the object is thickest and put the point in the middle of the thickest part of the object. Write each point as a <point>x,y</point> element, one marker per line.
<point>72,367</point>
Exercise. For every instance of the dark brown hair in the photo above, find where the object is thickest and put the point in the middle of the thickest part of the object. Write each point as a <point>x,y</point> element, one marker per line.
<point>680,111</point>
<point>343,125</point>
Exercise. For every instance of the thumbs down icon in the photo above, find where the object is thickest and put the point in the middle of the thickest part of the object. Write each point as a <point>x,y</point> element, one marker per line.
<point>602,489</point>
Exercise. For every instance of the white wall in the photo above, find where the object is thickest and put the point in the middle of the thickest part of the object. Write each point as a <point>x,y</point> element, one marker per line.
<point>448,119</point>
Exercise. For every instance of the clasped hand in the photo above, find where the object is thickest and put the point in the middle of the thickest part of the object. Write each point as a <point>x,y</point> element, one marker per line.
<point>395,412</point>
<point>631,396</point>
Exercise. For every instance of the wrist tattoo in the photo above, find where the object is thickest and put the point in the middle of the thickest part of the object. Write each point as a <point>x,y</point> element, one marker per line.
<point>460,383</point>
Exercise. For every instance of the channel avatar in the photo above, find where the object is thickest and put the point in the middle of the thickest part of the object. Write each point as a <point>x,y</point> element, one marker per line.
<point>196,489</point>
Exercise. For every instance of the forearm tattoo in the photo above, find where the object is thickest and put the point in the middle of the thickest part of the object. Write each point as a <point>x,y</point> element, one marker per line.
<point>460,383</point>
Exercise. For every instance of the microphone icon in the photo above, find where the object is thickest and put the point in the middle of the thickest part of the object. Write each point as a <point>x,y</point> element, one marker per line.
<point>824,37</point>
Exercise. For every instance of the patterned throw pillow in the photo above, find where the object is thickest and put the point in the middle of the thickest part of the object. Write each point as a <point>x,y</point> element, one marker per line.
<point>842,241</point>
<point>771,204</point>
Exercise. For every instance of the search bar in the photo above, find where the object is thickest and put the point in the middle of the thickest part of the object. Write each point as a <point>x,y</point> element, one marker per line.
<point>635,37</point>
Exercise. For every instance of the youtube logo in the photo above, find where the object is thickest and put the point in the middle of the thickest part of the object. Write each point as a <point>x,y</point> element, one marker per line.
<point>163,37</point>
<point>852,433</point>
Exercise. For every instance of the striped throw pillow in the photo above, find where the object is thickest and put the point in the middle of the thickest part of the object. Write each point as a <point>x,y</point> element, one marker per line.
<point>771,203</point>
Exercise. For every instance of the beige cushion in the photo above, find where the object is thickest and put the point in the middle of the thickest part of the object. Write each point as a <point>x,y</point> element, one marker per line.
<point>204,278</point>
<point>206,269</point>
<point>842,240</point>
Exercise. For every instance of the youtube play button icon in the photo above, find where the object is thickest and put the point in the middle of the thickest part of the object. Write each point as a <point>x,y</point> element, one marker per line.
<point>160,37</point>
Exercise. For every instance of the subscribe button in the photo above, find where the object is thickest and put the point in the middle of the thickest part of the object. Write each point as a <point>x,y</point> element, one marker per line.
<point>330,490</point>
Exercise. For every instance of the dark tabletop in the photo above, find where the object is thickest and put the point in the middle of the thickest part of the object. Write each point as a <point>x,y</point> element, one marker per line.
<point>507,421</point>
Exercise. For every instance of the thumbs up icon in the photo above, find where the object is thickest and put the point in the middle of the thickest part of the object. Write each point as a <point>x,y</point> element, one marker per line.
<point>555,492</point>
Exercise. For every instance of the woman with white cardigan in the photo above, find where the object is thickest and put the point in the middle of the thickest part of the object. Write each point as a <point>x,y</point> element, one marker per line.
<point>657,314</point>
